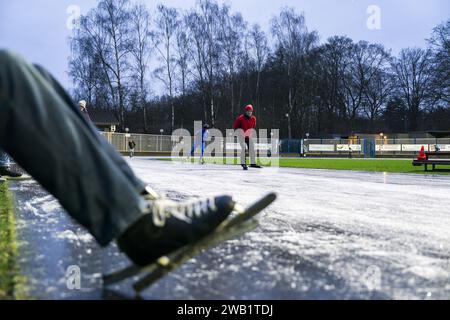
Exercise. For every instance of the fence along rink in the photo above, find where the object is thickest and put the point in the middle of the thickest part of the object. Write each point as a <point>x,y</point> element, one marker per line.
<point>152,143</point>
<point>382,146</point>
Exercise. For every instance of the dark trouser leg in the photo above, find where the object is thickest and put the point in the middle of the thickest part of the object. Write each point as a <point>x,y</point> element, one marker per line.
<point>251,149</point>
<point>44,135</point>
<point>242,142</point>
<point>193,149</point>
<point>102,142</point>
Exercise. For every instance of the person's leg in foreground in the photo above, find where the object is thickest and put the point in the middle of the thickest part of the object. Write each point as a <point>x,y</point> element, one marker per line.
<point>102,143</point>
<point>47,135</point>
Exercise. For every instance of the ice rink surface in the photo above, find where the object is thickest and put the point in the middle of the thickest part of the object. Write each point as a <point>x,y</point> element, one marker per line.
<point>330,235</point>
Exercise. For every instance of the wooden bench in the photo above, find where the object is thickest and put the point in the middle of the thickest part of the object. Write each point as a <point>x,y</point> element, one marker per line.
<point>435,158</point>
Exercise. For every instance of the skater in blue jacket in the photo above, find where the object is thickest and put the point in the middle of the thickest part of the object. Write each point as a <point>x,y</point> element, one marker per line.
<point>200,140</point>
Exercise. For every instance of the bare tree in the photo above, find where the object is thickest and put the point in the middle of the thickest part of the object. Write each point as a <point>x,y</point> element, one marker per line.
<point>203,27</point>
<point>167,23</point>
<point>440,45</point>
<point>293,41</point>
<point>259,52</point>
<point>141,52</point>
<point>209,13</point>
<point>414,77</point>
<point>210,62</point>
<point>106,30</point>
<point>197,53</point>
<point>114,17</point>
<point>84,68</point>
<point>364,62</point>
<point>182,62</point>
<point>330,72</point>
<point>377,94</point>
<point>231,34</point>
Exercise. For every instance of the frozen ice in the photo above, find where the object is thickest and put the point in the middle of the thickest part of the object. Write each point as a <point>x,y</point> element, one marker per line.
<point>330,235</point>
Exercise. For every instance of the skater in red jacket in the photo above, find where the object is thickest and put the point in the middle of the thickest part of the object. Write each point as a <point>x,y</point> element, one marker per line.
<point>247,122</point>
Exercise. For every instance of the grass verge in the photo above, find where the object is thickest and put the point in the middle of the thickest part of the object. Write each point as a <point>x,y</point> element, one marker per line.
<point>373,165</point>
<point>12,284</point>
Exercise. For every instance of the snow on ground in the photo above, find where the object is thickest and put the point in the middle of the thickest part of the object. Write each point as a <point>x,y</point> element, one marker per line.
<point>330,235</point>
<point>376,234</point>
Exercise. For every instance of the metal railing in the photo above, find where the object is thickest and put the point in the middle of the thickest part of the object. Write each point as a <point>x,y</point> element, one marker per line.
<point>388,147</point>
<point>152,143</point>
<point>144,142</point>
<point>149,143</point>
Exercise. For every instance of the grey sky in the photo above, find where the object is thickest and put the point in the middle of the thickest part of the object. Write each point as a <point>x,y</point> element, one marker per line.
<point>38,31</point>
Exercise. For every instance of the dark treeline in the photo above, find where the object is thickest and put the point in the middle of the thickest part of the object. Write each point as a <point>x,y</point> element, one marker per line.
<point>209,62</point>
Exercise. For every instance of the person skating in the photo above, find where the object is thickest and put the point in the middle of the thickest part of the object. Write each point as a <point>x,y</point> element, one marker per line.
<point>247,122</point>
<point>200,140</point>
<point>83,109</point>
<point>46,134</point>
<point>131,146</point>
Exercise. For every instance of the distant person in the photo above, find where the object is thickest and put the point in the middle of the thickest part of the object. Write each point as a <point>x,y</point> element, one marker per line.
<point>5,167</point>
<point>131,146</point>
<point>247,122</point>
<point>200,138</point>
<point>50,138</point>
<point>83,108</point>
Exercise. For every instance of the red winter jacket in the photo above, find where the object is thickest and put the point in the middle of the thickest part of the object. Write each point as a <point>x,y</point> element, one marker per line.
<point>245,124</point>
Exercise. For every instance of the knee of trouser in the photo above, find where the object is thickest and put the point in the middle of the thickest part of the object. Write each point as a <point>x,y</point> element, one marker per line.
<point>8,58</point>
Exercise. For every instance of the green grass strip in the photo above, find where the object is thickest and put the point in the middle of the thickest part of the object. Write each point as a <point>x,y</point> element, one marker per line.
<point>372,165</point>
<point>12,284</point>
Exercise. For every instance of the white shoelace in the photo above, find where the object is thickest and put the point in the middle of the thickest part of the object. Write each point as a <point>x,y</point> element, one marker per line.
<point>162,209</point>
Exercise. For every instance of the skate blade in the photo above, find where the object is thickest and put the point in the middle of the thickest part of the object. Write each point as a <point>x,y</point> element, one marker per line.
<point>227,230</point>
<point>22,178</point>
<point>167,264</point>
<point>171,261</point>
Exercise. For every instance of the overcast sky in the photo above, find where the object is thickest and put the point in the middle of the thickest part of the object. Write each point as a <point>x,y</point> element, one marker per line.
<point>38,29</point>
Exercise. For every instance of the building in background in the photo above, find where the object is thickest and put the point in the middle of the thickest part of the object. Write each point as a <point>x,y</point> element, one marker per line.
<point>104,120</point>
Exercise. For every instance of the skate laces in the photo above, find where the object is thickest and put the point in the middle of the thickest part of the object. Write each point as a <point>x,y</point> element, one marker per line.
<point>150,194</point>
<point>163,209</point>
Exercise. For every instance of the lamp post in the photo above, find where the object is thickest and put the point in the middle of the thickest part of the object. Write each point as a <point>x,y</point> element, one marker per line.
<point>127,135</point>
<point>382,143</point>
<point>161,138</point>
<point>289,126</point>
<point>304,146</point>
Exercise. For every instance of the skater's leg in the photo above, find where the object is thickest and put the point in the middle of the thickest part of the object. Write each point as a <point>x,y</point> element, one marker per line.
<point>251,150</point>
<point>44,135</point>
<point>193,149</point>
<point>202,152</point>
<point>243,150</point>
<point>102,142</point>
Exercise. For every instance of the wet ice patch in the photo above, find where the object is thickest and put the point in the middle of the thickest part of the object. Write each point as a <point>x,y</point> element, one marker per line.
<point>72,236</point>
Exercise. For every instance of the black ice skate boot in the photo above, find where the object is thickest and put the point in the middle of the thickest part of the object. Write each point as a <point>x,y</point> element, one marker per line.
<point>168,226</point>
<point>9,173</point>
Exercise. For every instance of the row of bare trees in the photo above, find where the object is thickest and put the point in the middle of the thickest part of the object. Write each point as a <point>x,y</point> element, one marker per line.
<point>167,68</point>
